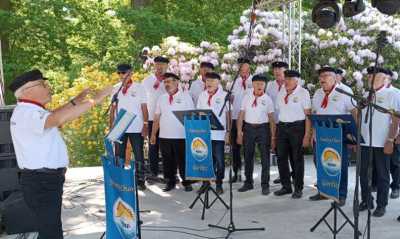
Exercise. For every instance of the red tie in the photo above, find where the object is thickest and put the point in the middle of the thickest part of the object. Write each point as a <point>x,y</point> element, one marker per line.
<point>326,98</point>
<point>255,99</point>
<point>126,87</point>
<point>210,96</point>
<point>32,102</point>
<point>171,97</point>
<point>288,94</point>
<point>158,82</point>
<point>244,82</point>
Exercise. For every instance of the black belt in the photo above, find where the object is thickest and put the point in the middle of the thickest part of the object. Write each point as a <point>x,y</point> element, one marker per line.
<point>292,124</point>
<point>257,125</point>
<point>45,170</point>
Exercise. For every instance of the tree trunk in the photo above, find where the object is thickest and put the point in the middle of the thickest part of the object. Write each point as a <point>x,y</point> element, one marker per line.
<point>140,3</point>
<point>5,5</point>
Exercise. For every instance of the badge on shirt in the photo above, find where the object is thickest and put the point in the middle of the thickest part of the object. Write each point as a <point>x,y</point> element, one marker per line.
<point>380,100</point>
<point>178,100</point>
<point>295,99</point>
<point>218,101</point>
<point>335,98</point>
<point>133,94</point>
<point>263,102</point>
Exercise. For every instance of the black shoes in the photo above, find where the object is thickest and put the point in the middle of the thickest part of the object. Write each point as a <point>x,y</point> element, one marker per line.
<point>317,197</point>
<point>169,187</point>
<point>342,202</point>
<point>363,206</point>
<point>237,177</point>
<point>283,191</point>
<point>246,187</point>
<point>379,212</point>
<point>395,194</point>
<point>277,181</point>
<point>265,190</point>
<point>297,194</point>
<point>188,188</point>
<point>142,186</point>
<point>203,187</point>
<point>398,219</point>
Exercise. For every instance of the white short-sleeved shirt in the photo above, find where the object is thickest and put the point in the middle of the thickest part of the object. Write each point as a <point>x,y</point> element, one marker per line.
<point>36,147</point>
<point>170,126</point>
<point>238,93</point>
<point>152,94</point>
<point>272,91</point>
<point>217,101</point>
<point>132,102</point>
<point>385,98</point>
<point>293,111</point>
<point>257,114</point>
<point>338,103</point>
<point>345,87</point>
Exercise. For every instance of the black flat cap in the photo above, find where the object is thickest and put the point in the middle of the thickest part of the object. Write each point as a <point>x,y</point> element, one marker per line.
<point>326,69</point>
<point>213,75</point>
<point>292,73</point>
<point>243,60</point>
<point>259,77</point>
<point>171,75</point>
<point>207,64</point>
<point>279,64</point>
<point>161,59</point>
<point>124,67</point>
<point>339,71</point>
<point>21,80</point>
<point>372,69</point>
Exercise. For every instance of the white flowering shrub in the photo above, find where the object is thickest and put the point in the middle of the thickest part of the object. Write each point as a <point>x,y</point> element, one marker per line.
<point>184,57</point>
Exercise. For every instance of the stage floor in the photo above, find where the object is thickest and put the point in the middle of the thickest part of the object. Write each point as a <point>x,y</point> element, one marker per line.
<point>283,217</point>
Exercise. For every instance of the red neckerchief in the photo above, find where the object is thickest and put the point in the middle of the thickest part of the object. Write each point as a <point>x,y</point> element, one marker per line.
<point>171,97</point>
<point>126,87</point>
<point>380,88</point>
<point>288,94</point>
<point>244,79</point>
<point>255,99</point>
<point>325,101</point>
<point>32,102</point>
<point>210,96</point>
<point>158,82</point>
<point>389,85</point>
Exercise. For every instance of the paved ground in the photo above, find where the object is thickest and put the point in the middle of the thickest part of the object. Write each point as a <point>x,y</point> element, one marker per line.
<point>283,217</point>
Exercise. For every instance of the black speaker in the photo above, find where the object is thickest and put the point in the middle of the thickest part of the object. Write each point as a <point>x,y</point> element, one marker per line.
<point>16,217</point>
<point>9,179</point>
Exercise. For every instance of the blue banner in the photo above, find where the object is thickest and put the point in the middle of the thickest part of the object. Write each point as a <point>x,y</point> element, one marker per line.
<point>120,194</point>
<point>329,151</point>
<point>199,162</point>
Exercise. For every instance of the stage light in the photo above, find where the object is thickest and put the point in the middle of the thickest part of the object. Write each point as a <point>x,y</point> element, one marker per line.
<point>326,13</point>
<point>350,8</point>
<point>389,7</point>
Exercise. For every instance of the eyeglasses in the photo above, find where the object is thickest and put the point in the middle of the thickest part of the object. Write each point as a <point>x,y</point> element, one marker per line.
<point>44,84</point>
<point>121,73</point>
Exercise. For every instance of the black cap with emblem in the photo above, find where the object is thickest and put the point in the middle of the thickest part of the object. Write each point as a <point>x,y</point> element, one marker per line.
<point>326,69</point>
<point>161,59</point>
<point>243,60</point>
<point>21,80</point>
<point>260,77</point>
<point>280,64</point>
<point>124,68</point>
<point>205,64</point>
<point>292,73</point>
<point>372,69</point>
<point>171,75</point>
<point>213,75</point>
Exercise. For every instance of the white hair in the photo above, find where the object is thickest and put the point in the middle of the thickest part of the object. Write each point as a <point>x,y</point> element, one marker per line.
<point>18,93</point>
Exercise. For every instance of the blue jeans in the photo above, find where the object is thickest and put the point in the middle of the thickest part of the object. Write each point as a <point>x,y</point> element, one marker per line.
<point>218,152</point>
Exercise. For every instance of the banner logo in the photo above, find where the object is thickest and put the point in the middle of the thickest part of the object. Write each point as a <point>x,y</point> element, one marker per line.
<point>331,161</point>
<point>199,149</point>
<point>124,218</point>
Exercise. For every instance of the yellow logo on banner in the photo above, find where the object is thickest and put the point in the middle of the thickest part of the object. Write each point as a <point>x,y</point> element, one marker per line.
<point>331,161</point>
<point>124,218</point>
<point>199,149</point>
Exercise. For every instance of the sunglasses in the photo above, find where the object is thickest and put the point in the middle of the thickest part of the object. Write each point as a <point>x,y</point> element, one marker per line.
<point>121,72</point>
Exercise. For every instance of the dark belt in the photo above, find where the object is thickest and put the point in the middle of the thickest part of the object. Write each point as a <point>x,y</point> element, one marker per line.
<point>257,125</point>
<point>45,170</point>
<point>292,124</point>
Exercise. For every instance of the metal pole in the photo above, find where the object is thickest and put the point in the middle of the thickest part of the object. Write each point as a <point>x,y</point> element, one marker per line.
<point>2,89</point>
<point>300,32</point>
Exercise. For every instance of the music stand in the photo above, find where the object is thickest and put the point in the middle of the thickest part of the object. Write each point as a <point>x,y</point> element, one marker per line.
<point>349,137</point>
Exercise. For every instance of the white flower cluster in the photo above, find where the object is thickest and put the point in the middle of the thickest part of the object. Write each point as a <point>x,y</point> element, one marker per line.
<point>184,57</point>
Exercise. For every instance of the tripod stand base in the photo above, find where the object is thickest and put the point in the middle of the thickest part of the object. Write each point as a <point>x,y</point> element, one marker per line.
<point>206,201</point>
<point>231,229</point>
<point>335,230</point>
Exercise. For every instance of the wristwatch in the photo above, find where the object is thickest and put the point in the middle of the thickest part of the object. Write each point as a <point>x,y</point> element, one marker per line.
<point>390,140</point>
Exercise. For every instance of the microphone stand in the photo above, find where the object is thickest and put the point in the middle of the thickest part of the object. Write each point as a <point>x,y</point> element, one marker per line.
<point>231,228</point>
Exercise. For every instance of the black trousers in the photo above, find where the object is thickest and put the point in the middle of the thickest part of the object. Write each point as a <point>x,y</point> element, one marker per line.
<point>290,144</point>
<point>395,167</point>
<point>259,135</point>
<point>43,195</point>
<point>237,158</point>
<point>154,152</point>
<point>381,162</point>
<point>173,154</point>
<point>137,141</point>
